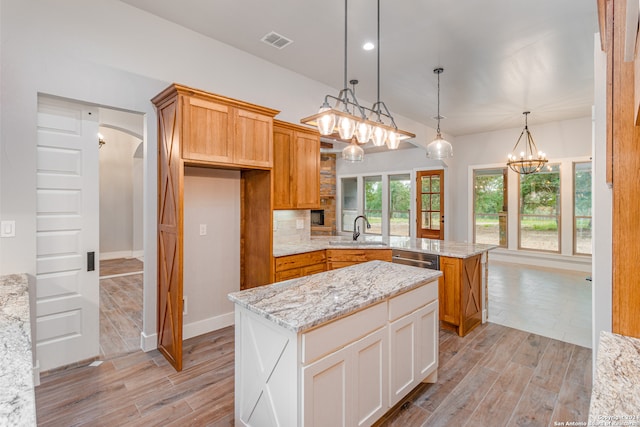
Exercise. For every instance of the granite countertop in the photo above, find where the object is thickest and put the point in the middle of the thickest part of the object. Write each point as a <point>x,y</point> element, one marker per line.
<point>300,304</point>
<point>615,399</point>
<point>17,398</point>
<point>431,246</point>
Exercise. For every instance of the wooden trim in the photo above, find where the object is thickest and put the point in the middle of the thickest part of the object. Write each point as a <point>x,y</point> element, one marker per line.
<point>609,90</point>
<point>295,127</point>
<point>602,22</point>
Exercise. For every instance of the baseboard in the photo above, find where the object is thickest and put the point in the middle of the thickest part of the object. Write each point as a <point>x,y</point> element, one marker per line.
<point>190,330</point>
<point>540,259</point>
<point>117,254</point>
<point>148,342</point>
<point>138,254</point>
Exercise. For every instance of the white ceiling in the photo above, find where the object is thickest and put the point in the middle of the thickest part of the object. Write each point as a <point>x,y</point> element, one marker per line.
<point>500,57</point>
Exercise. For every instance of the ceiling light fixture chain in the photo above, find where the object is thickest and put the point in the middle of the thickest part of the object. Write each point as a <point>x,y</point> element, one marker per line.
<point>439,148</point>
<point>530,160</point>
<point>348,118</point>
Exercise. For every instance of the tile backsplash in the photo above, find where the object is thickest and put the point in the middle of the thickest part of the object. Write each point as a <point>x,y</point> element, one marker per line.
<point>285,226</point>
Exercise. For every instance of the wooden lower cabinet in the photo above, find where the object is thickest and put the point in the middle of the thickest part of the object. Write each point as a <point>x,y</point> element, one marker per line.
<point>338,258</point>
<point>299,265</point>
<point>460,293</point>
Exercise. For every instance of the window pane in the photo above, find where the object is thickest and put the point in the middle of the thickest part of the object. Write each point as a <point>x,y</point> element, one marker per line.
<point>425,220</point>
<point>399,204</point>
<point>373,203</point>
<point>426,187</point>
<point>435,220</point>
<point>490,221</point>
<point>349,202</point>
<point>582,208</point>
<point>540,209</point>
<point>435,202</point>
<point>425,202</point>
<point>435,184</point>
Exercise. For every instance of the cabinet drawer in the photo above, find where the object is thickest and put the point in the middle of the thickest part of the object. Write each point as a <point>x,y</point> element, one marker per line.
<point>299,260</point>
<point>288,274</point>
<point>410,301</point>
<point>332,336</point>
<point>313,269</point>
<point>358,255</point>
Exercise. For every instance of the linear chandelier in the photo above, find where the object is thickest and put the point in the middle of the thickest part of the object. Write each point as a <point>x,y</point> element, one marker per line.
<point>529,160</point>
<point>353,122</point>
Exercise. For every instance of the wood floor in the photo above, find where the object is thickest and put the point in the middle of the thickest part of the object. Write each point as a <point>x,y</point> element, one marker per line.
<point>120,306</point>
<point>495,376</point>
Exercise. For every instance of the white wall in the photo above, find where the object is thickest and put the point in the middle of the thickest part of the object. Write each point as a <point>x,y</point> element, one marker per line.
<point>117,203</point>
<point>111,54</point>
<point>212,261</point>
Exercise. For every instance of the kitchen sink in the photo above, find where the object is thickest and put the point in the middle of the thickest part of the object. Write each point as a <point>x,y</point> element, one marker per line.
<point>356,243</point>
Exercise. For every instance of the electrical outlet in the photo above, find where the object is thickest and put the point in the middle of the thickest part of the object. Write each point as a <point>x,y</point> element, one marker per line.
<point>184,306</point>
<point>299,224</point>
<point>203,229</point>
<point>8,229</point>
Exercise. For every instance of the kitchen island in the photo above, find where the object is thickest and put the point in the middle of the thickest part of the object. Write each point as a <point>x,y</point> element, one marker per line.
<point>336,348</point>
<point>463,292</point>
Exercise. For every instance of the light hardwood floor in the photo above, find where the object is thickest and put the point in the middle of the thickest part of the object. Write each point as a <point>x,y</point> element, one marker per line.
<point>495,376</point>
<point>120,306</point>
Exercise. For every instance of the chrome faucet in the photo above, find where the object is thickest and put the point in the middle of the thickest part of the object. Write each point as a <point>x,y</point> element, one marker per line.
<point>356,231</point>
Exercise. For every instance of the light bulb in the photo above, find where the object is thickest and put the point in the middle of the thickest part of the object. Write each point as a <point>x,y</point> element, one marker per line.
<point>327,121</point>
<point>363,132</point>
<point>346,127</point>
<point>393,140</point>
<point>379,136</point>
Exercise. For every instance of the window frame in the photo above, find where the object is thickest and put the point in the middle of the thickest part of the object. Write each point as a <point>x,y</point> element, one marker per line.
<point>390,211</point>
<point>379,179</point>
<point>575,217</point>
<point>505,192</point>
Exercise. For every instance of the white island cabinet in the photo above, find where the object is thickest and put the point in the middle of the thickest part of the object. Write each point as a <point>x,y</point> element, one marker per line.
<point>338,348</point>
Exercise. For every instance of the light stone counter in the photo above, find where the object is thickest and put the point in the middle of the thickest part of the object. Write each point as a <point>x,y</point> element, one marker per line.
<point>431,246</point>
<point>300,304</point>
<point>615,399</point>
<point>17,398</point>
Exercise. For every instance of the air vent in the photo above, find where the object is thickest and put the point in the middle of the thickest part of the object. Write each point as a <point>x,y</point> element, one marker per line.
<point>276,40</point>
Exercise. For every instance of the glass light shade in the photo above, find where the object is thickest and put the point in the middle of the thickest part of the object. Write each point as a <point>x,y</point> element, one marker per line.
<point>379,136</point>
<point>353,153</point>
<point>327,121</point>
<point>393,140</point>
<point>363,132</point>
<point>346,127</point>
<point>439,148</point>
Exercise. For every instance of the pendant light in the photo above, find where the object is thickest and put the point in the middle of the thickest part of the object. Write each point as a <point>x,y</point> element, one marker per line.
<point>529,160</point>
<point>439,148</point>
<point>353,153</point>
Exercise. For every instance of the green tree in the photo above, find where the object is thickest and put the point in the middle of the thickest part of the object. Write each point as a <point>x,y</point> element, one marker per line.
<point>489,196</point>
<point>540,193</point>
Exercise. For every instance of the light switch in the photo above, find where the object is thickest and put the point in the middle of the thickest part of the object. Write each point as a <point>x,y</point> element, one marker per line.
<point>8,229</point>
<point>203,229</point>
<point>299,224</point>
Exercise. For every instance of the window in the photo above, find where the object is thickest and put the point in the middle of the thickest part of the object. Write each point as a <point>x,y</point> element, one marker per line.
<point>539,227</point>
<point>373,203</point>
<point>490,206</point>
<point>399,204</point>
<point>349,202</point>
<point>582,208</point>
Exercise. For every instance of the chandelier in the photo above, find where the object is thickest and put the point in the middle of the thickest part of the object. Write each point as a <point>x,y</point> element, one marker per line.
<point>529,160</point>
<point>439,148</point>
<point>353,122</point>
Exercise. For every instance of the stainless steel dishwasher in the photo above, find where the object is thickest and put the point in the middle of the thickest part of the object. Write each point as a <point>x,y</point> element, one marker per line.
<point>416,259</point>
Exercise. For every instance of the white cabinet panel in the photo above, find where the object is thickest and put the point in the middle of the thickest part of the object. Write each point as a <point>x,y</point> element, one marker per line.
<point>325,391</point>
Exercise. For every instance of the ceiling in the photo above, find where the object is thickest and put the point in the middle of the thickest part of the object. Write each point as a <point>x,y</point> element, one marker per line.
<point>500,57</point>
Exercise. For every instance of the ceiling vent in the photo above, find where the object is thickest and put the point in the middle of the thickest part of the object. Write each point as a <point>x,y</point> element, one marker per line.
<point>276,40</point>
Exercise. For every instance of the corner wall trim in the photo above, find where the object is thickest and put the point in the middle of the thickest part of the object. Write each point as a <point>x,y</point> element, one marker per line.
<point>148,342</point>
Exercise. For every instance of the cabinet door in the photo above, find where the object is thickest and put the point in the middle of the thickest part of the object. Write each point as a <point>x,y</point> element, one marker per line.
<point>427,340</point>
<point>402,365</point>
<point>471,294</point>
<point>282,167</point>
<point>325,396</point>
<point>449,290</point>
<point>306,170</point>
<point>370,381</point>
<point>207,131</point>
<point>253,140</point>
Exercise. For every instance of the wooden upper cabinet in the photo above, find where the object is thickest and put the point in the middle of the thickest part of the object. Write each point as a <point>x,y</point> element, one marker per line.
<point>221,131</point>
<point>296,166</point>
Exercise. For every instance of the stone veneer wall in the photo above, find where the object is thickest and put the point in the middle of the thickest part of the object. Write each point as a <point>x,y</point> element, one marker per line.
<point>327,195</point>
